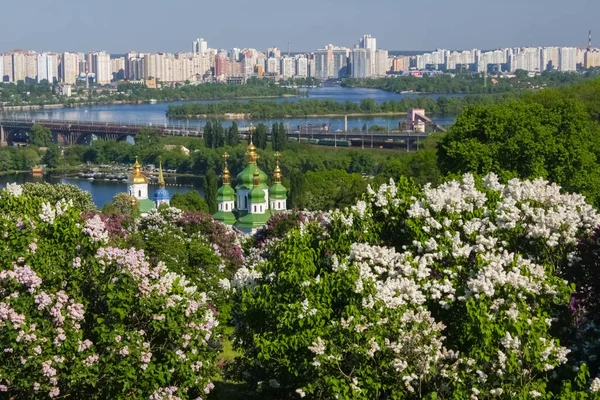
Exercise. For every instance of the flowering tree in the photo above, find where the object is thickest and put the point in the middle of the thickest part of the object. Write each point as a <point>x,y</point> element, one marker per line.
<point>84,319</point>
<point>448,292</point>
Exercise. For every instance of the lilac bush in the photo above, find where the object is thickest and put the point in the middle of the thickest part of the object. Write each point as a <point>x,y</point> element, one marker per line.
<point>84,319</point>
<point>448,292</point>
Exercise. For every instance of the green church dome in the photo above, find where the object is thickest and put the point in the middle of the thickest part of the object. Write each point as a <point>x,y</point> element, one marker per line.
<point>245,178</point>
<point>278,192</point>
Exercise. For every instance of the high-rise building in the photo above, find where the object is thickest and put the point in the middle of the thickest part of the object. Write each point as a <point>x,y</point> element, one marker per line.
<point>321,59</point>
<point>340,63</point>
<point>69,68</point>
<point>287,67</point>
<point>19,70</point>
<point>101,67</point>
<point>221,65</point>
<point>302,67</point>
<point>567,59</point>
<point>45,68</point>
<point>273,65</point>
<point>273,52</point>
<point>359,63</point>
<point>592,58</point>
<point>368,42</point>
<point>199,46</point>
<point>117,68</point>
<point>550,58</point>
<point>31,66</point>
<point>8,69</point>
<point>1,67</point>
<point>382,64</point>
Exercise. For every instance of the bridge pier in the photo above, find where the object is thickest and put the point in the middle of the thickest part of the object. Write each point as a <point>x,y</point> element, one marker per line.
<point>3,141</point>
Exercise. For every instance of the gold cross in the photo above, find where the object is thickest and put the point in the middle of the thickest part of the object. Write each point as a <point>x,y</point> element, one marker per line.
<point>225,157</point>
<point>250,129</point>
<point>277,155</point>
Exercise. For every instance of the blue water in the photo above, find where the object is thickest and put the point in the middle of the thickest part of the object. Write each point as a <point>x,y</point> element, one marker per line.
<point>155,114</point>
<point>103,191</point>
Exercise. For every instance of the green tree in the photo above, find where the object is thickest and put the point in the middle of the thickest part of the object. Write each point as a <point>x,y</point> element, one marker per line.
<point>275,136</point>
<point>40,136</point>
<point>189,201</point>
<point>328,190</point>
<point>261,136</point>
<point>210,190</point>
<point>219,135</point>
<point>52,156</point>
<point>146,138</point>
<point>296,189</point>
<point>549,137</point>
<point>7,161</point>
<point>121,204</point>
<point>233,134</point>
<point>282,140</point>
<point>209,135</point>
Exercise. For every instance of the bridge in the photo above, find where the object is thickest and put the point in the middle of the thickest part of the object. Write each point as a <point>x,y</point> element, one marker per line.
<point>76,132</point>
<point>80,132</point>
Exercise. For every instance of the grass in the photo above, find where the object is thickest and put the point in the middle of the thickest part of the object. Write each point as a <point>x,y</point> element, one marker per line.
<point>224,389</point>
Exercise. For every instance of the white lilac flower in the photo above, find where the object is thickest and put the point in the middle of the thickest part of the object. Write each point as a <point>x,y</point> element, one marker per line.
<point>14,189</point>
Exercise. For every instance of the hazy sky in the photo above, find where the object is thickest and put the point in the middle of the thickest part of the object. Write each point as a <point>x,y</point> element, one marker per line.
<point>118,26</point>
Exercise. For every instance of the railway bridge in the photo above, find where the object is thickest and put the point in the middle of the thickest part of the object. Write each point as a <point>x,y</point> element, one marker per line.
<point>80,132</point>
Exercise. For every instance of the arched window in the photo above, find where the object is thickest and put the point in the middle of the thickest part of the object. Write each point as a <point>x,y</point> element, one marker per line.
<point>139,193</point>
<point>254,208</point>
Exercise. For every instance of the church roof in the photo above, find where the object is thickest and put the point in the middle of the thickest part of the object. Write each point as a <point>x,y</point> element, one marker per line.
<point>161,194</point>
<point>137,176</point>
<point>278,192</point>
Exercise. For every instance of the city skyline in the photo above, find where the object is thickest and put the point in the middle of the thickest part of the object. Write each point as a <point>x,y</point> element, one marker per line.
<point>400,26</point>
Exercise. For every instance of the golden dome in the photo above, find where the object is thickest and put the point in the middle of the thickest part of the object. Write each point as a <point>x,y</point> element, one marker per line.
<point>277,174</point>
<point>252,155</point>
<point>137,173</point>
<point>226,176</point>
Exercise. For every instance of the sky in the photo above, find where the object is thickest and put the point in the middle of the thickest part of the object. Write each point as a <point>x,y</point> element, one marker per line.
<point>118,26</point>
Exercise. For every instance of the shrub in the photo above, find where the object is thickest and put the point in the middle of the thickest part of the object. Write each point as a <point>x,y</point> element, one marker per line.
<point>448,292</point>
<point>83,319</point>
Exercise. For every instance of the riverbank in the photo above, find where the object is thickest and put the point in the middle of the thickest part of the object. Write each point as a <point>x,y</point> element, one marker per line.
<point>132,102</point>
<point>239,117</point>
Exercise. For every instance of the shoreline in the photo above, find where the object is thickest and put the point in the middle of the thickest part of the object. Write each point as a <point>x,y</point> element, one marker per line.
<point>131,102</point>
<point>242,116</point>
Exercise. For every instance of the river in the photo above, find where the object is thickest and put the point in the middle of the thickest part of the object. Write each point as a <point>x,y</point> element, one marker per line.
<point>103,191</point>
<point>155,114</point>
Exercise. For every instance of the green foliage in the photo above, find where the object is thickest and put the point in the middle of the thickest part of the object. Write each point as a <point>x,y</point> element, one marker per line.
<point>52,193</point>
<point>472,83</point>
<point>328,190</point>
<point>189,201</point>
<point>542,136</point>
<point>40,136</point>
<point>52,156</point>
<point>94,312</point>
<point>233,137</point>
<point>305,108</point>
<point>210,190</point>
<point>417,293</point>
<point>260,136</point>
<point>122,204</point>
<point>207,91</point>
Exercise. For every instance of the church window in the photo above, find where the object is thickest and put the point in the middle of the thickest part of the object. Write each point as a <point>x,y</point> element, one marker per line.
<point>254,208</point>
<point>139,193</point>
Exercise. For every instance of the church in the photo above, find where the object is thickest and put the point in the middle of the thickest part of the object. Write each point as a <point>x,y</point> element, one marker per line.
<point>248,207</point>
<point>252,203</point>
<point>138,189</point>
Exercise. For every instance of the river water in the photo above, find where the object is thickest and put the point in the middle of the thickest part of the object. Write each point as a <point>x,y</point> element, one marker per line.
<point>103,191</point>
<point>155,114</point>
